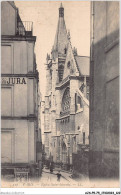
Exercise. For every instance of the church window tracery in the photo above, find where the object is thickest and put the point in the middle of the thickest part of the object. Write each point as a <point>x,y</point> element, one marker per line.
<point>66,100</point>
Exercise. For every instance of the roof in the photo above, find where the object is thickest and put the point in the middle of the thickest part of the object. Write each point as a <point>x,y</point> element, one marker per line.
<point>12,4</point>
<point>61,38</point>
<point>83,64</point>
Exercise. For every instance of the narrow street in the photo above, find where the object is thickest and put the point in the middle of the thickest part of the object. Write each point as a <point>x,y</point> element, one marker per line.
<point>52,177</point>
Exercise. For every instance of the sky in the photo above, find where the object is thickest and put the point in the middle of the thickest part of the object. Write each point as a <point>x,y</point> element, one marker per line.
<point>44,15</point>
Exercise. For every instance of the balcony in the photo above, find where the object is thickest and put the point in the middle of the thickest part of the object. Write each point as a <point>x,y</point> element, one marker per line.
<point>25,28</point>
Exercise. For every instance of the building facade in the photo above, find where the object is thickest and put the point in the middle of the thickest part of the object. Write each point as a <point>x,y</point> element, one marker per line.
<point>67,98</point>
<point>20,123</point>
<point>104,90</point>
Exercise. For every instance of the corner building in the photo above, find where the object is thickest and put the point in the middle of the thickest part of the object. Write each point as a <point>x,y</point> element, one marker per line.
<point>20,123</point>
<point>66,102</point>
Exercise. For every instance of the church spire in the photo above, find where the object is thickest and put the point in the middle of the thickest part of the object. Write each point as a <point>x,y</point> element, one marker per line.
<point>61,11</point>
<point>61,39</point>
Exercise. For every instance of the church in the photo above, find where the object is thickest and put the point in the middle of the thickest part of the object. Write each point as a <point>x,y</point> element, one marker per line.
<point>66,109</point>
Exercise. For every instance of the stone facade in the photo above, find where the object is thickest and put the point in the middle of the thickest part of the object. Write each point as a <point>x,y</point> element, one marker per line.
<point>66,101</point>
<point>20,98</point>
<point>104,90</point>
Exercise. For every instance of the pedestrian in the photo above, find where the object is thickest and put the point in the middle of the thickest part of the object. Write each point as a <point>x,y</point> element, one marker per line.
<point>58,176</point>
<point>51,167</point>
<point>61,165</point>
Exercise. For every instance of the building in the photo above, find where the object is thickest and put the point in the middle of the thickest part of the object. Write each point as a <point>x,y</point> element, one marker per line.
<point>104,90</point>
<point>66,102</point>
<point>42,111</point>
<point>20,123</point>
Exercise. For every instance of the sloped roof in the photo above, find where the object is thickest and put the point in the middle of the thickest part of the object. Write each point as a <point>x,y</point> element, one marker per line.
<point>61,39</point>
<point>83,64</point>
<point>12,4</point>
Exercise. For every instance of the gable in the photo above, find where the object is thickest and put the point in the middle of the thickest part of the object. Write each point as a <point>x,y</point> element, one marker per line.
<point>70,67</point>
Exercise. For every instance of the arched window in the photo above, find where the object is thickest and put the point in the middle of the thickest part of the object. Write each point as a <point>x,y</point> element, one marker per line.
<point>60,72</point>
<point>78,102</point>
<point>66,100</point>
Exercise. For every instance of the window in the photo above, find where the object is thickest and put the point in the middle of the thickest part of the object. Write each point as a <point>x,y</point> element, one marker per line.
<point>60,72</point>
<point>6,152</point>
<point>6,59</point>
<point>6,101</point>
<point>68,64</point>
<point>7,139</point>
<point>78,102</point>
<point>66,100</point>
<point>46,121</point>
<point>65,50</point>
<point>78,128</point>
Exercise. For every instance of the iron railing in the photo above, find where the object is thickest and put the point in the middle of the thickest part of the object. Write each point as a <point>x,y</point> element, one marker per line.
<point>25,28</point>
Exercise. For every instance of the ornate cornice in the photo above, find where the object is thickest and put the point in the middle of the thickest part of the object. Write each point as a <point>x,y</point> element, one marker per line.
<point>29,117</point>
<point>17,38</point>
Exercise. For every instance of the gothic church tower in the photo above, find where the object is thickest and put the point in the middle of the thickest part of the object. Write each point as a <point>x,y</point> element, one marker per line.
<point>66,100</point>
